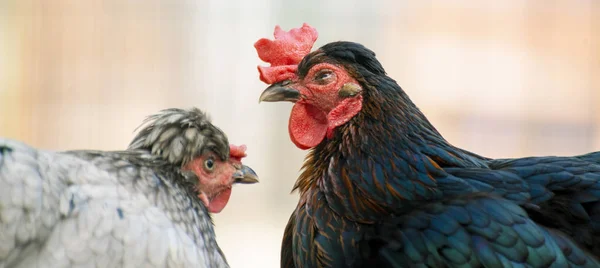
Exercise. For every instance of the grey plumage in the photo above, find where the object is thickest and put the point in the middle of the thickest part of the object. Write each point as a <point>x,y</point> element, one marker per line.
<point>132,208</point>
<point>179,136</point>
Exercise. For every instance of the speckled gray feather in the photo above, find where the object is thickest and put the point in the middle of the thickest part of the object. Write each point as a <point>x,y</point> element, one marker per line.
<point>129,208</point>
<point>181,135</point>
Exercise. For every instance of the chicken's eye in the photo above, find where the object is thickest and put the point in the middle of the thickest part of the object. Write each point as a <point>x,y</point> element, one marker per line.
<point>209,164</point>
<point>324,77</point>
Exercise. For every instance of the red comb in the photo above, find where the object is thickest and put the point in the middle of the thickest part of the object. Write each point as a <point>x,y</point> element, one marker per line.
<point>237,152</point>
<point>285,52</point>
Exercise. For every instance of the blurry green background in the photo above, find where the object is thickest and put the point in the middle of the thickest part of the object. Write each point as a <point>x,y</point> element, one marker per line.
<point>501,78</point>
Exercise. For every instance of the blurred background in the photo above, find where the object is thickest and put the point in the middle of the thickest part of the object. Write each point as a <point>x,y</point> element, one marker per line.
<point>500,78</point>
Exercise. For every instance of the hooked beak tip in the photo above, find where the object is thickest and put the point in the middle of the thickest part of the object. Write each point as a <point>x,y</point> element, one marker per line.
<point>245,175</point>
<point>279,92</point>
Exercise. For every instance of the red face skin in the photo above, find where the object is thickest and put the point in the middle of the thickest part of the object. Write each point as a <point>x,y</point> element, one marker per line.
<point>215,177</point>
<point>320,109</point>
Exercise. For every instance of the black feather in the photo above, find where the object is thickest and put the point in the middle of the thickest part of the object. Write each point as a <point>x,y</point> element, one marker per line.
<point>388,162</point>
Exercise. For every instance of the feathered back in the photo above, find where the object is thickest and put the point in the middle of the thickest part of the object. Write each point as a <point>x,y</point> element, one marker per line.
<point>179,136</point>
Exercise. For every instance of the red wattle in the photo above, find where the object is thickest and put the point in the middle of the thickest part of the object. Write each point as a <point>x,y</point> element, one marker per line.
<point>307,125</point>
<point>218,203</point>
<point>341,114</point>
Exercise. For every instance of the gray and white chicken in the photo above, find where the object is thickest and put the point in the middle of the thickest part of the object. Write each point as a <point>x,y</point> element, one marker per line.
<point>148,206</point>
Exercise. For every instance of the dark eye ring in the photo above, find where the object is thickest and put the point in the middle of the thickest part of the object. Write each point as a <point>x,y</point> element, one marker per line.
<point>209,164</point>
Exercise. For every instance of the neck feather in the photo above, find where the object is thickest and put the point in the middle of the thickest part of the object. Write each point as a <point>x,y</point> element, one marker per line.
<point>383,160</point>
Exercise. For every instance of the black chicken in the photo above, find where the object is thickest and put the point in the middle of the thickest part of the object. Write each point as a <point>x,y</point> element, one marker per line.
<point>382,188</point>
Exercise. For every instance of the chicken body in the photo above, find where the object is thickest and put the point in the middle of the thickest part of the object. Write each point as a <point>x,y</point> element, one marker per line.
<point>381,186</point>
<point>134,208</point>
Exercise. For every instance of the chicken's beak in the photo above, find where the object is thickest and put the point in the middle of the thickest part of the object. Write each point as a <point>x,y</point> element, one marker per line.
<point>245,175</point>
<point>280,92</point>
